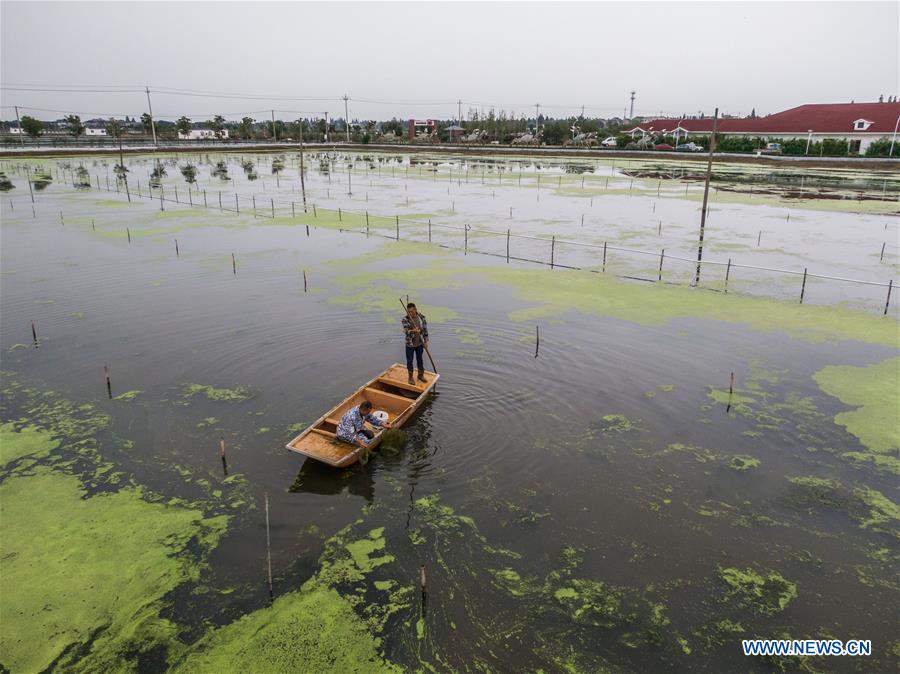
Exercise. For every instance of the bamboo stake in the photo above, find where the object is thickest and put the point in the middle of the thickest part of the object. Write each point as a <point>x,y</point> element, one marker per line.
<point>727,273</point>
<point>222,456</point>
<point>887,302</point>
<point>233,265</point>
<point>537,340</point>
<point>803,287</point>
<point>108,383</point>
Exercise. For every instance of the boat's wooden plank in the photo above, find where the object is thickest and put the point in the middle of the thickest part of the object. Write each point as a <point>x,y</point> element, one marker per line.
<point>320,447</point>
<point>387,401</point>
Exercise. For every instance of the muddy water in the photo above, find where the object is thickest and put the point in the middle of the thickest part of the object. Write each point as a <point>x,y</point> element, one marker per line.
<point>840,223</point>
<point>582,508</point>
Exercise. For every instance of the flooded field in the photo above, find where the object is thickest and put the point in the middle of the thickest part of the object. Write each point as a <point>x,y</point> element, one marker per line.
<point>598,502</point>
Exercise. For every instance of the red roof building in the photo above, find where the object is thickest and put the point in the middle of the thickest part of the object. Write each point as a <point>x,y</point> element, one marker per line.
<point>860,123</point>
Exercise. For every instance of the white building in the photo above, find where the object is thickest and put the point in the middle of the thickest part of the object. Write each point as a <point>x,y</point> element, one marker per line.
<point>94,131</point>
<point>202,134</point>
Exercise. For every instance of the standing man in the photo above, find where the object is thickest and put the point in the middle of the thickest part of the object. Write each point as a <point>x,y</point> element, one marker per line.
<point>416,329</point>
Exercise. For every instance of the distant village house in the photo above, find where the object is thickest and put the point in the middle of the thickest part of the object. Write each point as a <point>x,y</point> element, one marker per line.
<point>858,123</point>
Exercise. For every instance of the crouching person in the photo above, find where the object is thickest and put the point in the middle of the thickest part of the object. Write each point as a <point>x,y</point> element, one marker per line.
<point>352,427</point>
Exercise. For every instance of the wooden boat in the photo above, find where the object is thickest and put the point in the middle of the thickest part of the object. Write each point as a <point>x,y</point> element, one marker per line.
<point>389,392</point>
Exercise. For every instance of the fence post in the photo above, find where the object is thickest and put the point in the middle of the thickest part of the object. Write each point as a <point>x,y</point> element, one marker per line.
<point>803,287</point>
<point>662,255</point>
<point>552,249</point>
<point>507,246</point>
<point>604,257</point>
<point>727,272</point>
<point>888,300</point>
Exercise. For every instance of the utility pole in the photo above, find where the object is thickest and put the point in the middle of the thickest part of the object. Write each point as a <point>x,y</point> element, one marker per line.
<point>152,123</point>
<point>274,130</point>
<point>22,131</point>
<point>712,147</point>
<point>631,113</point>
<point>302,179</point>
<point>347,117</point>
<point>459,104</point>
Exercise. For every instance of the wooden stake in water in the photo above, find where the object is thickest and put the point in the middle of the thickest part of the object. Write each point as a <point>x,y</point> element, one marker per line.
<point>397,217</point>
<point>268,548</point>
<point>429,230</point>
<point>304,281</point>
<point>35,339</point>
<point>730,394</point>
<point>552,249</point>
<point>233,265</point>
<point>93,226</point>
<point>803,287</point>
<point>128,232</point>
<point>108,382</point>
<point>759,238</point>
<point>662,255</point>
<point>61,220</point>
<point>881,259</point>
<point>604,257</point>
<point>727,273</point>
<point>177,254</point>
<point>466,244</point>
<point>887,302</point>
<point>537,340</point>
<point>423,583</point>
<point>507,246</point>
<point>222,456</point>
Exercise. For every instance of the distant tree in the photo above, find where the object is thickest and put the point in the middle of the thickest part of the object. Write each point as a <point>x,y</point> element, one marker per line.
<point>183,125</point>
<point>189,171</point>
<point>114,127</point>
<point>395,126</point>
<point>245,128</point>
<point>217,124</point>
<point>76,128</point>
<point>33,127</point>
<point>147,122</point>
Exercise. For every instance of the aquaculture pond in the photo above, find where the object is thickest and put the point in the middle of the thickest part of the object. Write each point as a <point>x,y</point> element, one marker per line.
<point>606,498</point>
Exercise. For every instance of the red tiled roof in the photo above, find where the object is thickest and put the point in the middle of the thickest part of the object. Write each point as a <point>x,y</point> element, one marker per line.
<point>818,117</point>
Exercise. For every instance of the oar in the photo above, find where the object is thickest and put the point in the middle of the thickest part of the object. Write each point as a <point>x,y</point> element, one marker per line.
<point>434,367</point>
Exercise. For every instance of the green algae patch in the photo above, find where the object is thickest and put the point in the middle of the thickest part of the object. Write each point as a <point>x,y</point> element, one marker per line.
<point>597,294</point>
<point>617,423</point>
<point>362,550</point>
<point>312,630</point>
<point>84,590</point>
<point>127,396</point>
<point>29,441</point>
<point>236,394</point>
<point>875,393</point>
<point>742,462</point>
<point>767,593</point>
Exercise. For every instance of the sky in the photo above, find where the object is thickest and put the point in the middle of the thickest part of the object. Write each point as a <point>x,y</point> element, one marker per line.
<point>417,59</point>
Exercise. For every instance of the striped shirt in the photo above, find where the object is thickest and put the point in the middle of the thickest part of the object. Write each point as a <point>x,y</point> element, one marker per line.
<point>352,423</point>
